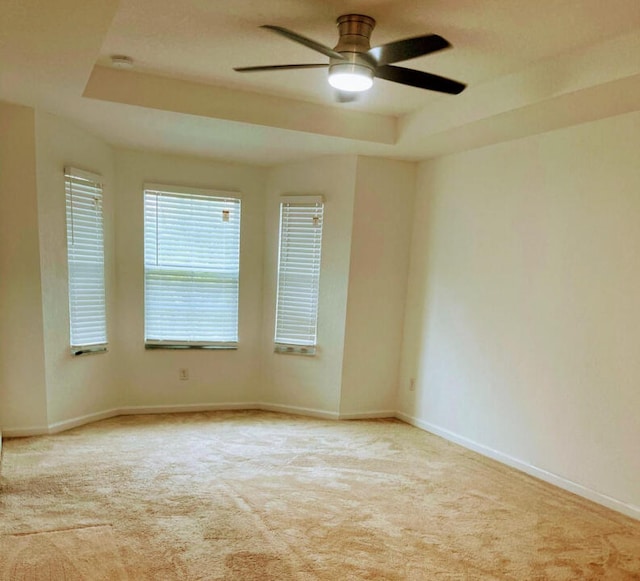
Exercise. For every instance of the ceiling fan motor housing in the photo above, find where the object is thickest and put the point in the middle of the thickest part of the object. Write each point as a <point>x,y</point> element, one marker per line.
<point>353,44</point>
<point>355,32</point>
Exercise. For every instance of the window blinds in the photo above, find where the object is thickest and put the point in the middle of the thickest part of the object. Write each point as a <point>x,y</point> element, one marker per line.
<point>85,256</point>
<point>298,273</point>
<point>192,264</point>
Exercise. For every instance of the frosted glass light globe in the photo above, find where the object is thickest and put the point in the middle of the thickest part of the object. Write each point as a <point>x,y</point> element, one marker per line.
<point>350,77</point>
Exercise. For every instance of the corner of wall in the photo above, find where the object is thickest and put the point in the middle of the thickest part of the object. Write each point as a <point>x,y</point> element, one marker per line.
<point>381,234</point>
<point>22,365</point>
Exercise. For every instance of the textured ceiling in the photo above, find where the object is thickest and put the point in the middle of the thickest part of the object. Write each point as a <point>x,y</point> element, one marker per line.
<point>521,59</point>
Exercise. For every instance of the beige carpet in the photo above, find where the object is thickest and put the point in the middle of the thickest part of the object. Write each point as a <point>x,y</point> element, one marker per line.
<point>72,555</point>
<point>258,496</point>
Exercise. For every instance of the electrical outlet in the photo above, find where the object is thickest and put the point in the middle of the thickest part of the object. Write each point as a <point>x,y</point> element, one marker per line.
<point>412,384</point>
<point>183,374</point>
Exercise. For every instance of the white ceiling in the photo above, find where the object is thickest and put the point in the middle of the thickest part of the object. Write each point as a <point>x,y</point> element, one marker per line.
<point>530,67</point>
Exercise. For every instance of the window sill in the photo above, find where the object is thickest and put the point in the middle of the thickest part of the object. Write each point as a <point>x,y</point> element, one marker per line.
<point>182,346</point>
<point>305,350</point>
<point>89,350</point>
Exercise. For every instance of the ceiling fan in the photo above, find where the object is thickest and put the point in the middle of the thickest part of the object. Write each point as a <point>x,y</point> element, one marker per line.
<point>353,64</point>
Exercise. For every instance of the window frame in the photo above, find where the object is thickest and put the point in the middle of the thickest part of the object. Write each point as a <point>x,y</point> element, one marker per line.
<point>186,191</point>
<point>281,344</point>
<point>95,187</point>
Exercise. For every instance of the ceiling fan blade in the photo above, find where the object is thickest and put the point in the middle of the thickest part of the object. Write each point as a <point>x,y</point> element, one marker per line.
<point>312,44</point>
<point>419,79</point>
<point>278,68</point>
<point>402,50</point>
<point>345,96</point>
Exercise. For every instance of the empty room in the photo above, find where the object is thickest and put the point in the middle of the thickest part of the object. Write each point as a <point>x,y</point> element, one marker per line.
<point>319,290</point>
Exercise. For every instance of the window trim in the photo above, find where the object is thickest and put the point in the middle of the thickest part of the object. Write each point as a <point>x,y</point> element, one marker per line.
<point>202,345</point>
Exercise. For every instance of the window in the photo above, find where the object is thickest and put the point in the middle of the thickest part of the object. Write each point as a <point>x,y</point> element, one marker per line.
<point>298,274</point>
<point>85,256</point>
<point>191,268</point>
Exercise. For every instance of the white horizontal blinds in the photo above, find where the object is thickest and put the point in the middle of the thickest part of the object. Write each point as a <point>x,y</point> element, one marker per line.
<point>299,271</point>
<point>85,255</point>
<point>192,264</point>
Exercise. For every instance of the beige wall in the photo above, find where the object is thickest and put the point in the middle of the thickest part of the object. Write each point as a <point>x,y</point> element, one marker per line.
<point>382,218</point>
<point>23,402</point>
<point>77,386</point>
<point>295,381</point>
<point>150,378</point>
<point>522,324</point>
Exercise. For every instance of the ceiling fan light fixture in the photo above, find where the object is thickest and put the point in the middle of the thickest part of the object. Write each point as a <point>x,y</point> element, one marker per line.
<point>350,77</point>
<point>353,64</point>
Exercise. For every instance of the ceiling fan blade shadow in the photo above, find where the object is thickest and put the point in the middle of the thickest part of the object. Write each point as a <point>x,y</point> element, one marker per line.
<point>312,44</point>
<point>408,48</point>
<point>419,79</point>
<point>278,68</point>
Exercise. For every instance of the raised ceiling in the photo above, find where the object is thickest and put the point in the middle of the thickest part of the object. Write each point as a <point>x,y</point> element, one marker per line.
<point>530,67</point>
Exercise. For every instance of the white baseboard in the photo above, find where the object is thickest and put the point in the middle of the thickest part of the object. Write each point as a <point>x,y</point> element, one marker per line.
<point>368,415</point>
<point>161,409</point>
<point>24,432</point>
<point>195,407</point>
<point>125,411</point>
<point>182,408</point>
<point>298,411</point>
<point>559,481</point>
<point>82,420</point>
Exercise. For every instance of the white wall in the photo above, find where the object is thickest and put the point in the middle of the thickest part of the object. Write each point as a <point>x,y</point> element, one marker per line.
<point>381,236</point>
<point>23,402</point>
<point>311,383</point>
<point>76,385</point>
<point>150,378</point>
<point>522,324</point>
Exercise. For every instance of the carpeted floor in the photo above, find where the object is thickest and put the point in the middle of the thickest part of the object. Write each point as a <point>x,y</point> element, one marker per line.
<point>259,496</point>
